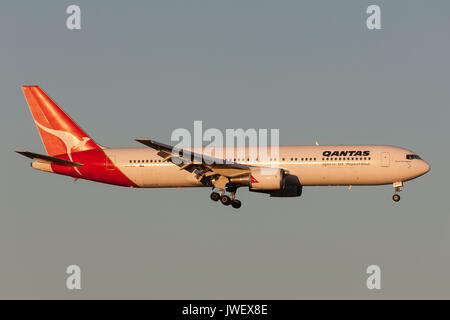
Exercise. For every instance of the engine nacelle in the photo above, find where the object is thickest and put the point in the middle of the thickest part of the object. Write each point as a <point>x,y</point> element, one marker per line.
<point>266,179</point>
<point>288,192</point>
<point>292,188</point>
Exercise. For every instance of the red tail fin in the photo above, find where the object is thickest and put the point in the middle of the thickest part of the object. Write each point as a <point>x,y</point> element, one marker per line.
<point>58,132</point>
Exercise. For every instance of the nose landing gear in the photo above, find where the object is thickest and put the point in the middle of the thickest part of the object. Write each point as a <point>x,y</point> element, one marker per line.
<point>397,188</point>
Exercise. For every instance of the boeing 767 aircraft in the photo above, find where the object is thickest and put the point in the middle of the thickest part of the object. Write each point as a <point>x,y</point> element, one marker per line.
<point>71,152</point>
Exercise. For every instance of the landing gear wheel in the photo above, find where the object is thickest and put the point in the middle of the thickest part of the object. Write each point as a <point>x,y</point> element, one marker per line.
<point>396,197</point>
<point>236,204</point>
<point>226,200</point>
<point>215,196</point>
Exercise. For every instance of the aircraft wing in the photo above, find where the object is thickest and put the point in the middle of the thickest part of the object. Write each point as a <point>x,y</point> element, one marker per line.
<point>204,167</point>
<point>44,158</point>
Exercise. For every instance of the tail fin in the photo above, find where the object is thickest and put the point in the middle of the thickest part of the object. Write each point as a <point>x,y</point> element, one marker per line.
<point>58,132</point>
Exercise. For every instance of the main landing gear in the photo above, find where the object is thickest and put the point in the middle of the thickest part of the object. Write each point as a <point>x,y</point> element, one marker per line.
<point>225,199</point>
<point>215,196</point>
<point>397,188</point>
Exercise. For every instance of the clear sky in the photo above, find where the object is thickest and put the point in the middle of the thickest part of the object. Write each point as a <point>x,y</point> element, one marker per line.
<point>144,68</point>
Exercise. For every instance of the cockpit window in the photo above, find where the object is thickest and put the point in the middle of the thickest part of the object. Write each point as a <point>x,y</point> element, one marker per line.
<point>412,156</point>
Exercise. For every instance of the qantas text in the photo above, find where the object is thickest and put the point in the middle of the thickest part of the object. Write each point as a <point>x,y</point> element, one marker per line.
<point>352,153</point>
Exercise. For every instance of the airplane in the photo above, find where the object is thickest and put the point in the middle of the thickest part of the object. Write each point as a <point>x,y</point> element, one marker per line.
<point>71,152</point>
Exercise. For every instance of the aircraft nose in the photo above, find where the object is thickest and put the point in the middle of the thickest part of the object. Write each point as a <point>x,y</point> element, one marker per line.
<point>424,167</point>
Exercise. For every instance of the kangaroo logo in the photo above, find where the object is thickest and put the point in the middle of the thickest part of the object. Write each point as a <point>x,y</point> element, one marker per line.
<point>69,140</point>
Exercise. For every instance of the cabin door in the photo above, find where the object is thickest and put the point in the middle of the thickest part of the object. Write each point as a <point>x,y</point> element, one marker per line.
<point>385,159</point>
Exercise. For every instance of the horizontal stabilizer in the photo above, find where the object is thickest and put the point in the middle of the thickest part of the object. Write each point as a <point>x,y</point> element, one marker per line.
<point>44,158</point>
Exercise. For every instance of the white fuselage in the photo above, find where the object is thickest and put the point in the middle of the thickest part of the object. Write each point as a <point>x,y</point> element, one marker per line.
<point>313,165</point>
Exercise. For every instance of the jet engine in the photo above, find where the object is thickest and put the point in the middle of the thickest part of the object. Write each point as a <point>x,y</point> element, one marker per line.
<point>273,181</point>
<point>266,179</point>
<point>292,188</point>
